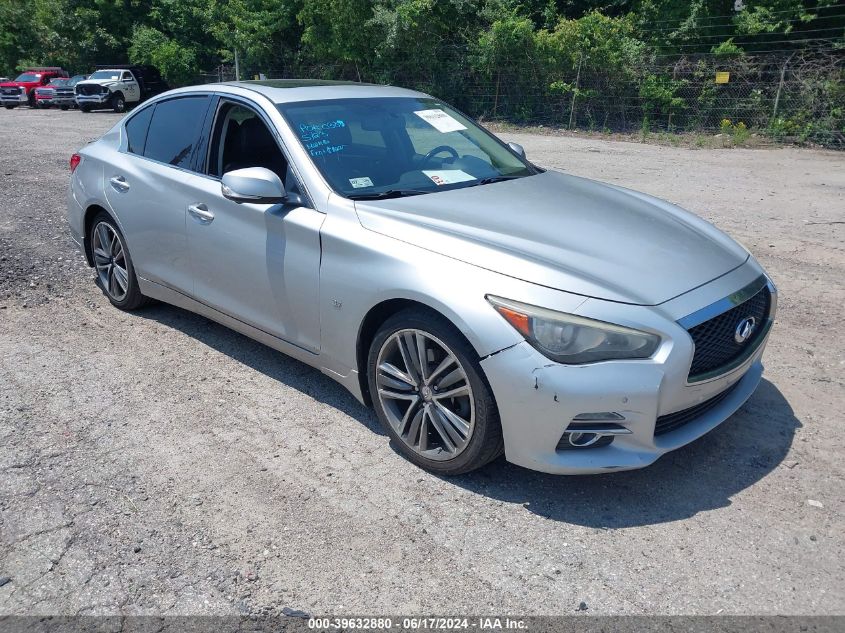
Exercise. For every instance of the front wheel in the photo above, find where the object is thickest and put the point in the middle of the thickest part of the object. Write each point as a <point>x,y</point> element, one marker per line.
<point>64,107</point>
<point>115,272</point>
<point>85,108</point>
<point>118,103</point>
<point>10,107</point>
<point>430,394</point>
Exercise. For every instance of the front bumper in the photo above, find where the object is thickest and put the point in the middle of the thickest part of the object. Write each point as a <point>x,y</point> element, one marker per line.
<point>98,99</point>
<point>22,98</point>
<point>538,399</point>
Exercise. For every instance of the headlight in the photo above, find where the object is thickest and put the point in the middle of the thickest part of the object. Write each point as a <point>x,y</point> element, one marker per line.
<point>574,340</point>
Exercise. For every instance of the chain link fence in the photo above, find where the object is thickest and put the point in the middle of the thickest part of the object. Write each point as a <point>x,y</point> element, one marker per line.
<point>790,96</point>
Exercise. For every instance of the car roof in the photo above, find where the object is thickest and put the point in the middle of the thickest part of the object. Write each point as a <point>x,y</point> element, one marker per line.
<point>292,90</point>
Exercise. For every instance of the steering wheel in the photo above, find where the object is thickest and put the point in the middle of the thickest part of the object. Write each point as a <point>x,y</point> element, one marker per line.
<point>437,150</point>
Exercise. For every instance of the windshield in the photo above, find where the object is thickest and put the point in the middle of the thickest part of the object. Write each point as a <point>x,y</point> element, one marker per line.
<point>114,75</point>
<point>401,146</point>
<point>28,77</point>
<point>58,82</point>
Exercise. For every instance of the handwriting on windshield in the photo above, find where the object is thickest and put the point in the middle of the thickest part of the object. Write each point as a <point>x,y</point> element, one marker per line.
<point>317,137</point>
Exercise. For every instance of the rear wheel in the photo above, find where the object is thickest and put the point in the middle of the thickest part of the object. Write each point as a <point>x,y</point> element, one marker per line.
<point>430,394</point>
<point>115,273</point>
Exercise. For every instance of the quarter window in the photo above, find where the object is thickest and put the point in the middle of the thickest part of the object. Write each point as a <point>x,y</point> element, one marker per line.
<point>136,130</point>
<point>175,130</point>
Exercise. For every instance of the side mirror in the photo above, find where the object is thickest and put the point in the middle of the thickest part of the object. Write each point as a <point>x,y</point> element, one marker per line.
<point>517,149</point>
<point>257,185</point>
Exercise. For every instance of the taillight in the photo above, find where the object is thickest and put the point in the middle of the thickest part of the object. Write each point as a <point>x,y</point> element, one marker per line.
<point>74,162</point>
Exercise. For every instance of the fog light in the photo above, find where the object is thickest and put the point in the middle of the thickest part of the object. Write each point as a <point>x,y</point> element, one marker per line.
<point>582,440</point>
<point>586,435</point>
<point>575,440</point>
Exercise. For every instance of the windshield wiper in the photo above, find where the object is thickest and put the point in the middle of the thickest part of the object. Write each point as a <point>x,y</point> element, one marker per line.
<point>487,181</point>
<point>383,195</point>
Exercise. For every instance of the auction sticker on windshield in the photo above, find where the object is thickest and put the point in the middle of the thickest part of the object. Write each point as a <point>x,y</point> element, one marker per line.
<point>447,176</point>
<point>440,120</point>
<point>357,183</point>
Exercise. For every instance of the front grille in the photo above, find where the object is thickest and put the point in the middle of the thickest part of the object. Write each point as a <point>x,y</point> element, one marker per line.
<point>89,89</point>
<point>64,92</point>
<point>715,346</point>
<point>673,421</point>
<point>12,92</point>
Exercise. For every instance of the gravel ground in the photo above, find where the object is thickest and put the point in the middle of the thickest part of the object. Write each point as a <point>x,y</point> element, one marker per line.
<point>157,463</point>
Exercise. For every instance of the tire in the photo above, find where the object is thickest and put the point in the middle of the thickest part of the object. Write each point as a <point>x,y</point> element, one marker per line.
<point>31,102</point>
<point>107,257</point>
<point>85,108</point>
<point>417,419</point>
<point>64,107</point>
<point>10,107</point>
<point>118,103</point>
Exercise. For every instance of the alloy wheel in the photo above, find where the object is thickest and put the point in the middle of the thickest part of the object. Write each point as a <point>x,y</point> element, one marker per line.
<point>110,261</point>
<point>425,394</point>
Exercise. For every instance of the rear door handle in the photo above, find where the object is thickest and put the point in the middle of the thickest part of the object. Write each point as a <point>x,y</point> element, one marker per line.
<point>119,183</point>
<point>200,212</point>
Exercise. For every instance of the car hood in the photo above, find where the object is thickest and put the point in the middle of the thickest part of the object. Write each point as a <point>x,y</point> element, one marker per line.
<point>567,233</point>
<point>15,84</point>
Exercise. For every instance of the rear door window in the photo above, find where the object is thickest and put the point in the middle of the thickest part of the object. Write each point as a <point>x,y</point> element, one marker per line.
<point>175,129</point>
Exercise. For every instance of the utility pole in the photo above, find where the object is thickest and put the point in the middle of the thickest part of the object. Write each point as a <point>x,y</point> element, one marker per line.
<point>237,67</point>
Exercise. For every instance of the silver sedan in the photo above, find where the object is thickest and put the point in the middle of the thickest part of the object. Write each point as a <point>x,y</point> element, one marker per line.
<point>481,304</point>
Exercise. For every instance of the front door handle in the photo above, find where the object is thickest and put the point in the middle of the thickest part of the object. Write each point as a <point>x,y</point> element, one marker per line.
<point>200,212</point>
<point>119,183</point>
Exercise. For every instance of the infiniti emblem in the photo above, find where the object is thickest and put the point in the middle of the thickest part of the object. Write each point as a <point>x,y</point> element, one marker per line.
<point>744,329</point>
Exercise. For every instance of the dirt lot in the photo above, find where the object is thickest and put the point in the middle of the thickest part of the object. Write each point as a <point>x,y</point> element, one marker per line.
<point>158,463</point>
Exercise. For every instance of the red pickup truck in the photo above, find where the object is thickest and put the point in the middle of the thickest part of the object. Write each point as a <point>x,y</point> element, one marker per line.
<point>21,91</point>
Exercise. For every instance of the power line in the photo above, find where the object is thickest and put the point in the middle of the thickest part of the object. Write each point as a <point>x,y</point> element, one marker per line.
<point>815,13</point>
<point>795,41</point>
<point>733,24</point>
<point>771,33</point>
